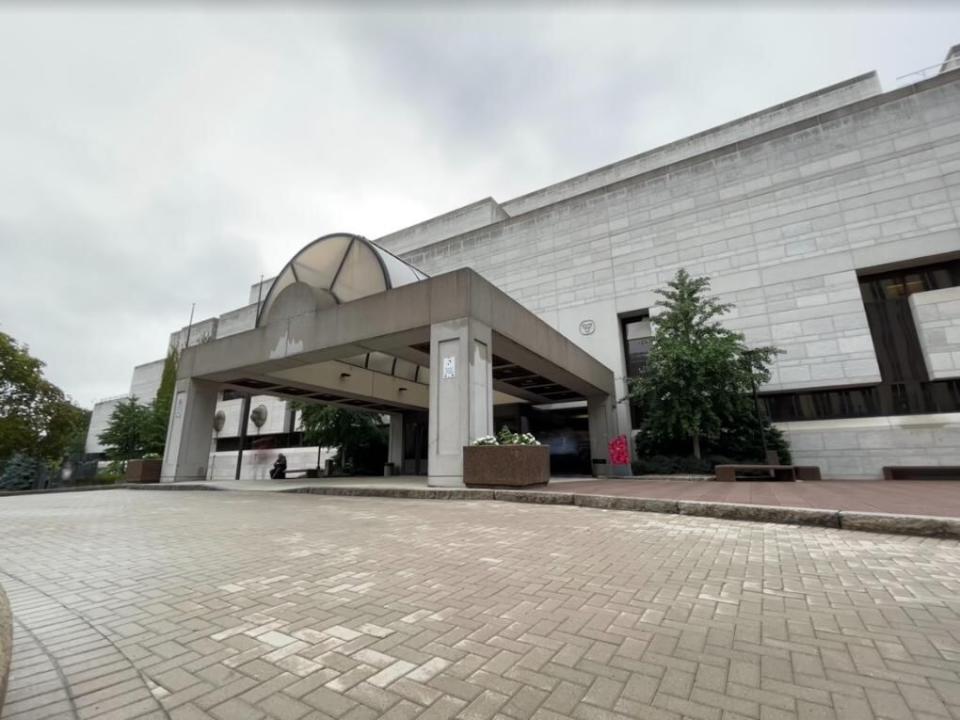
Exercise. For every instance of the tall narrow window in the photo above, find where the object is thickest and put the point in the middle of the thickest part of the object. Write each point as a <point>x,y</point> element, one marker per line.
<point>637,337</point>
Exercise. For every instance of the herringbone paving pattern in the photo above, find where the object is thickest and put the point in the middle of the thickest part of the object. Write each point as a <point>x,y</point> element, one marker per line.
<point>248,605</point>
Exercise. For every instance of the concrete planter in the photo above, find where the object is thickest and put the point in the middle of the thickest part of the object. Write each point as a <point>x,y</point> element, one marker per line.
<point>143,471</point>
<point>506,465</point>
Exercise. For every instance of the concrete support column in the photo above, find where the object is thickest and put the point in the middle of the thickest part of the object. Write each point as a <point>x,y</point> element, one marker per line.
<point>461,396</point>
<point>190,431</point>
<point>395,443</point>
<point>602,419</point>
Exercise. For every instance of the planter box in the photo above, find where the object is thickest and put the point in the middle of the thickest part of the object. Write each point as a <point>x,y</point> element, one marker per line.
<point>143,471</point>
<point>506,465</point>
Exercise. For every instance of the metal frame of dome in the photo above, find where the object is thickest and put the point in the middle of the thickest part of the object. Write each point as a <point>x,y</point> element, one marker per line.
<point>391,268</point>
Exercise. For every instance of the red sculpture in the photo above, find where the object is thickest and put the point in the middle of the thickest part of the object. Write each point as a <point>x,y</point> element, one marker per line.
<point>619,454</point>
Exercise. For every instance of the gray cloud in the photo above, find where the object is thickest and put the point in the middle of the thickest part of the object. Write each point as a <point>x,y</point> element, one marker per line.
<point>162,155</point>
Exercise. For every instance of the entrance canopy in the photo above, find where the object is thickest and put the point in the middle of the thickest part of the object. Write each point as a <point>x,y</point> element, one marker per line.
<point>348,324</point>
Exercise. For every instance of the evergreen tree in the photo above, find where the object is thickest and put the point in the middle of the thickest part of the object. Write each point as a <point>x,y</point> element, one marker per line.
<point>698,386</point>
<point>23,472</point>
<point>155,436</point>
<point>127,430</point>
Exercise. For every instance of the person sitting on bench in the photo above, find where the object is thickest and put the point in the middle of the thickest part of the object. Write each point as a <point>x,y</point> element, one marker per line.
<point>279,469</point>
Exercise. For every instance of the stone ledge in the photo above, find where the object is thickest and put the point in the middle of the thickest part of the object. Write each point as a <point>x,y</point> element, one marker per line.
<point>411,493</point>
<point>924,525</point>
<point>71,488</point>
<point>6,644</point>
<point>615,502</point>
<point>534,496</point>
<point>761,513</point>
<point>171,486</point>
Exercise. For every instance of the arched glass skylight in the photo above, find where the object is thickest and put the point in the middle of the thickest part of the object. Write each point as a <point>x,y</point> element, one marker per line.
<point>337,269</point>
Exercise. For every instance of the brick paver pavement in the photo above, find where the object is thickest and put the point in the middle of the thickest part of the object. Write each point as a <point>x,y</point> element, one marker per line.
<point>190,605</point>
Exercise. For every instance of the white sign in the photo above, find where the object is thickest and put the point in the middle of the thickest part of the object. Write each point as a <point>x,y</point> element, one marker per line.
<point>449,368</point>
<point>178,408</point>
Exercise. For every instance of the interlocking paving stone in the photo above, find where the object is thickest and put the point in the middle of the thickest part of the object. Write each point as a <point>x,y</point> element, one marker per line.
<point>243,605</point>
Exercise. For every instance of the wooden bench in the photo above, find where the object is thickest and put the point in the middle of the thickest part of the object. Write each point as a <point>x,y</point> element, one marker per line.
<point>921,472</point>
<point>783,473</point>
<point>808,473</point>
<point>310,472</point>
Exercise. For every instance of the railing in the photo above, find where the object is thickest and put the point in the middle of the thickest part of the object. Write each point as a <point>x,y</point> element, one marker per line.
<point>951,63</point>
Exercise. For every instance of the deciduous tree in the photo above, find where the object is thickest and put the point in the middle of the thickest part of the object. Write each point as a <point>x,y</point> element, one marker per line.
<point>36,418</point>
<point>360,439</point>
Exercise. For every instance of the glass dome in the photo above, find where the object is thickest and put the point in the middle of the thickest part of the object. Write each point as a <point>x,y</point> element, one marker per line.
<point>335,269</point>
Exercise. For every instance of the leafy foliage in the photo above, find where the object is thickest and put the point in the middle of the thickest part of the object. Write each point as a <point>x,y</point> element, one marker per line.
<point>36,419</point>
<point>360,439</point>
<point>696,395</point>
<point>507,437</point>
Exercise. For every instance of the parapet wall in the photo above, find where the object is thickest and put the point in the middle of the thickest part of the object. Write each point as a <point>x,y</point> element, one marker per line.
<point>806,106</point>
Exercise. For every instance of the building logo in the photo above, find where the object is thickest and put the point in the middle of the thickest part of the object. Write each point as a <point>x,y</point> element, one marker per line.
<point>587,327</point>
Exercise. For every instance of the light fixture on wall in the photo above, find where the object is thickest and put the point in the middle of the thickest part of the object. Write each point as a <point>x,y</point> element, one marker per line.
<point>344,375</point>
<point>403,389</point>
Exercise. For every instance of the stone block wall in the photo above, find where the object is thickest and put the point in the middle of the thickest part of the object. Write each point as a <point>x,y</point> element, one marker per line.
<point>470,217</point>
<point>781,222</point>
<point>146,381</point>
<point>98,423</point>
<point>937,316</point>
<point>257,463</point>
<point>860,447</point>
<point>806,106</point>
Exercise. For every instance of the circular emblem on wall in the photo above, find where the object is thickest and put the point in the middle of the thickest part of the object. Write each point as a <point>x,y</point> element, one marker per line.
<point>587,327</point>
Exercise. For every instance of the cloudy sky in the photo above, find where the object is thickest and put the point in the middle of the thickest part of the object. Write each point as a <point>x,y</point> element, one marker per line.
<point>169,154</point>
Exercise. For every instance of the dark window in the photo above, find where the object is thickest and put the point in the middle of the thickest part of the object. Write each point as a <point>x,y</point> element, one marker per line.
<point>637,337</point>
<point>230,394</point>
<point>905,388</point>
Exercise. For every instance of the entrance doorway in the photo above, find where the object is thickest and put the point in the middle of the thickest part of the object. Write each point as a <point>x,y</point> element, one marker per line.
<point>415,426</point>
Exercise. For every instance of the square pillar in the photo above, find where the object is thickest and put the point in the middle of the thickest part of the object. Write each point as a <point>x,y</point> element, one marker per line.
<point>190,431</point>
<point>395,443</point>
<point>461,395</point>
<point>602,420</point>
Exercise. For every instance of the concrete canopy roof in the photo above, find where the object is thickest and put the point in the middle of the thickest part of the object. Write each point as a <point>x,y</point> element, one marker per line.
<point>531,360</point>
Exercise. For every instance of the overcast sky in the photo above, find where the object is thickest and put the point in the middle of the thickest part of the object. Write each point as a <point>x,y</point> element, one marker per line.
<point>170,154</point>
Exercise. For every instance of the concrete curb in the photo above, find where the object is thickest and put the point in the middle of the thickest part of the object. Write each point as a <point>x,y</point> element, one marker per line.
<point>411,493</point>
<point>172,486</point>
<point>838,519</point>
<point>76,488</point>
<point>6,644</point>
<point>923,525</point>
<point>761,513</point>
<point>919,525</point>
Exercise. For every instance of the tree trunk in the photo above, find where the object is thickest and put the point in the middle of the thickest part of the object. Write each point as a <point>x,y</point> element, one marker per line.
<point>696,446</point>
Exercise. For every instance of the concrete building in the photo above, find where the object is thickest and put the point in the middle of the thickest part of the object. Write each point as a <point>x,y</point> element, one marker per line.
<point>831,221</point>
